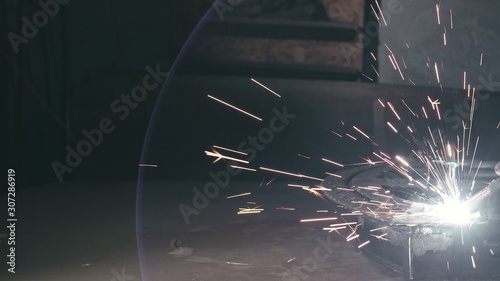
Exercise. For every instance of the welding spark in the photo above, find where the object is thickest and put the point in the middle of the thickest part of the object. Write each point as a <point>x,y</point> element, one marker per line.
<point>148,165</point>
<point>332,162</point>
<point>381,12</point>
<point>363,244</point>
<point>230,150</point>
<point>438,16</point>
<point>392,127</point>
<point>247,211</point>
<point>331,229</point>
<point>333,175</point>
<point>243,168</point>
<point>319,219</point>
<point>235,108</point>
<point>352,137</point>
<point>239,195</point>
<point>285,209</point>
<point>262,85</point>
<point>378,229</point>
<point>220,156</point>
<point>304,156</point>
<point>437,73</point>
<point>451,18</point>
<point>289,173</point>
<point>393,110</point>
<point>361,132</point>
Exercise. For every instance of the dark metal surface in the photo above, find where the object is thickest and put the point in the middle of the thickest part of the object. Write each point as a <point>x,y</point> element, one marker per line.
<point>283,29</point>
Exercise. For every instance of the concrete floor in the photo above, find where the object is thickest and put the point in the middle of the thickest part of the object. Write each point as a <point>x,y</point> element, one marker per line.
<point>86,231</point>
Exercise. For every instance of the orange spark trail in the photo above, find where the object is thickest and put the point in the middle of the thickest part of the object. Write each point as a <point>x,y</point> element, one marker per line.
<point>234,107</point>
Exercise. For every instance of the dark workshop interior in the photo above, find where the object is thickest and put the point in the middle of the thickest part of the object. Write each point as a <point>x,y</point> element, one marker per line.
<point>250,140</point>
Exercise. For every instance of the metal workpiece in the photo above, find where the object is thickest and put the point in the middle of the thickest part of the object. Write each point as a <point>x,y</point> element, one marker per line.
<point>399,223</point>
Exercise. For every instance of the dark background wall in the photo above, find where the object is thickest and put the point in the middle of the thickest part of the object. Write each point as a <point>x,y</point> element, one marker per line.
<point>69,74</point>
<point>65,77</point>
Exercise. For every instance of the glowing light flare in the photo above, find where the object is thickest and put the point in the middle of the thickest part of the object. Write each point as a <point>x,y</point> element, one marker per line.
<point>452,211</point>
